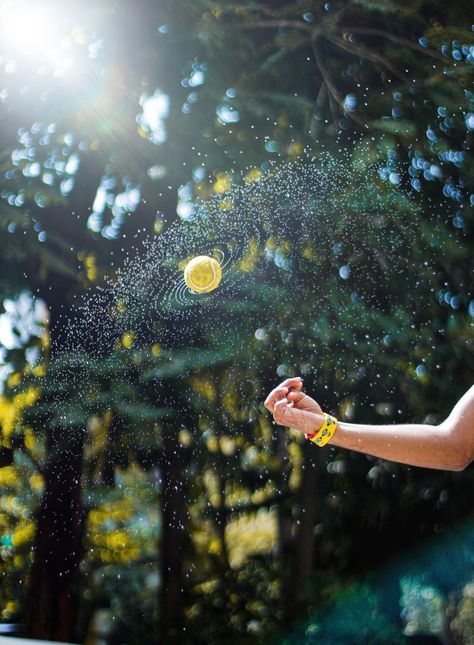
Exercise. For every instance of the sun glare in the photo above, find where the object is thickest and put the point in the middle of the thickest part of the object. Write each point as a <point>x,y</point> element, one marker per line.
<point>33,32</point>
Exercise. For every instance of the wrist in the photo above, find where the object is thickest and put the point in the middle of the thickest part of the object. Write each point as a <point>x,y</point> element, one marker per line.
<point>317,425</point>
<point>325,432</point>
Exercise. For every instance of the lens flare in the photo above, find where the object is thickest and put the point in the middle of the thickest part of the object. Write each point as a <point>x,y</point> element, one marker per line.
<point>34,33</point>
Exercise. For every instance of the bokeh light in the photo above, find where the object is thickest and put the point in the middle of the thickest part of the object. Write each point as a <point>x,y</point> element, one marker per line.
<point>36,33</point>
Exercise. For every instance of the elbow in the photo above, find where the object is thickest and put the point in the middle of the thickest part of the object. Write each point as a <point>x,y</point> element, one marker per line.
<point>458,460</point>
<point>464,464</point>
<point>457,467</point>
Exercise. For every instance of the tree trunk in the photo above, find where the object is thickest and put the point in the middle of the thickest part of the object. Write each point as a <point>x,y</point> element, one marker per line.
<point>173,537</point>
<point>301,563</point>
<point>58,544</point>
<point>57,551</point>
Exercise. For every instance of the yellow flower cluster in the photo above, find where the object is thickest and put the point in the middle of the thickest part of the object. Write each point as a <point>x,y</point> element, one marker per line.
<point>226,204</point>
<point>11,409</point>
<point>8,476</point>
<point>236,494</point>
<point>253,175</point>
<point>250,256</point>
<point>156,350</point>
<point>90,266</point>
<point>222,183</point>
<point>10,505</point>
<point>204,386</point>
<point>116,544</point>
<point>296,460</point>
<point>8,610</point>
<point>37,483</point>
<point>23,534</point>
<point>128,339</point>
<point>120,511</point>
<point>251,534</point>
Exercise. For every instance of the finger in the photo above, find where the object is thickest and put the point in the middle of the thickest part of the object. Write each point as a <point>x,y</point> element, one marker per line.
<point>295,396</point>
<point>294,382</point>
<point>280,412</point>
<point>275,395</point>
<point>286,415</point>
<point>286,385</point>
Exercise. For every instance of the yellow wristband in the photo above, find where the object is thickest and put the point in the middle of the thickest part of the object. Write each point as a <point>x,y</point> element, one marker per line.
<point>325,432</point>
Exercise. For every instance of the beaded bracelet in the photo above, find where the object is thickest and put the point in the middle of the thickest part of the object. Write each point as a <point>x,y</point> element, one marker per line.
<point>325,432</point>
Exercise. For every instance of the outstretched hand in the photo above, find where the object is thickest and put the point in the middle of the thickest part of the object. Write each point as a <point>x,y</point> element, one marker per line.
<point>293,408</point>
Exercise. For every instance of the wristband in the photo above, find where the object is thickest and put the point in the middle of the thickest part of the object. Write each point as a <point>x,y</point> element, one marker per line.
<point>325,432</point>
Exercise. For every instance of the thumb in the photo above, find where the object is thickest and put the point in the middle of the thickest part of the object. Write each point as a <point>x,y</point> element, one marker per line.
<point>280,411</point>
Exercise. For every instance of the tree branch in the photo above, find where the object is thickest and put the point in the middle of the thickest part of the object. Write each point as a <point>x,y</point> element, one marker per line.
<point>368,54</point>
<point>272,24</point>
<point>370,31</point>
<point>331,87</point>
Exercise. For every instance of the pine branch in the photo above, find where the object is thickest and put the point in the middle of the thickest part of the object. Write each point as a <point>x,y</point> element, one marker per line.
<point>272,24</point>
<point>371,31</point>
<point>330,85</point>
<point>363,52</point>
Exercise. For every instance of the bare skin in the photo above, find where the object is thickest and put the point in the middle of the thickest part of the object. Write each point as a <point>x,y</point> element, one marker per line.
<point>447,446</point>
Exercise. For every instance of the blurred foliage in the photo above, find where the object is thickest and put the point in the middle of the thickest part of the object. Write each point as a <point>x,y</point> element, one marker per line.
<point>354,617</point>
<point>85,175</point>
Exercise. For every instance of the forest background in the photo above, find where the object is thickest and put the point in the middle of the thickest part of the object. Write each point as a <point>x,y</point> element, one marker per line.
<point>144,491</point>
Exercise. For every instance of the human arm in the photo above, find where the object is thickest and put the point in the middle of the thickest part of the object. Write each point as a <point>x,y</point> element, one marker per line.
<point>448,446</point>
